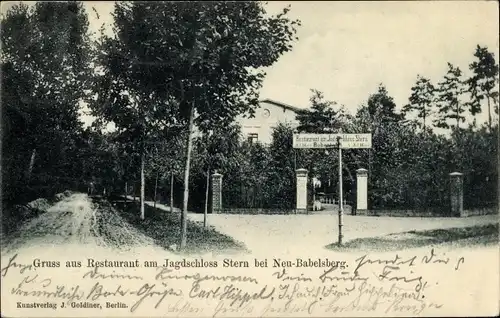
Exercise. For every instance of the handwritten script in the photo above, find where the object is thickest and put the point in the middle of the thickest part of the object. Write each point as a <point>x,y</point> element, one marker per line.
<point>395,285</point>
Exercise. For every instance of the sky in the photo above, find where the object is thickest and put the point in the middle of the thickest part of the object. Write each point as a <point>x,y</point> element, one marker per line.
<point>346,49</point>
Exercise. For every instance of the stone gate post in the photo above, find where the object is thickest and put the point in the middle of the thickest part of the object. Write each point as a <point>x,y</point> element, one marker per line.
<point>456,194</point>
<point>301,202</point>
<point>216,193</point>
<point>361,191</point>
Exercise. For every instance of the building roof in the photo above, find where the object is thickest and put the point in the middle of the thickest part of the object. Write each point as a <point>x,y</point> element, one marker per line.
<point>283,105</point>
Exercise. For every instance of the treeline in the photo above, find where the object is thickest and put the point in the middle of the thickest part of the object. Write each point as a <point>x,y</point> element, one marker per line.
<point>408,164</point>
<point>173,86</point>
<point>156,77</point>
<point>46,56</point>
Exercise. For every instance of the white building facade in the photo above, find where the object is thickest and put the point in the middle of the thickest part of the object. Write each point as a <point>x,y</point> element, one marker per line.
<point>266,117</point>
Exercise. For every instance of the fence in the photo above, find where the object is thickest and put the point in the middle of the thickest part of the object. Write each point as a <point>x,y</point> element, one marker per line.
<point>433,201</point>
<point>327,198</point>
<point>253,211</point>
<point>264,192</point>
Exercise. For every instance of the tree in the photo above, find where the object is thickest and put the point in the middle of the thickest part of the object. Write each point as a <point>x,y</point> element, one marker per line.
<point>283,165</point>
<point>483,82</point>
<point>383,118</point>
<point>247,181</point>
<point>379,117</point>
<point>45,67</point>
<point>473,154</point>
<point>164,160</point>
<point>449,100</point>
<point>381,106</point>
<point>124,97</point>
<point>215,151</point>
<point>205,56</point>
<point>421,99</point>
<point>321,117</point>
<point>134,115</point>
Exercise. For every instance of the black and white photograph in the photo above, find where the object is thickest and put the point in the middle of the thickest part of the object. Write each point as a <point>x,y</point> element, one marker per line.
<point>250,159</point>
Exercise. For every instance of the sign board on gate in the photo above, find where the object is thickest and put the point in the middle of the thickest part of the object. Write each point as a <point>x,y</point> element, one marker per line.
<point>321,141</point>
<point>350,141</point>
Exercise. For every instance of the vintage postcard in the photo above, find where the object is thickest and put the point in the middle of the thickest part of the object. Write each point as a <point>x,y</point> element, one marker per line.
<point>250,159</point>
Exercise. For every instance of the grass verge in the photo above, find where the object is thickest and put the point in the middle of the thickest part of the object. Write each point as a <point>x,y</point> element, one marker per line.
<point>164,228</point>
<point>457,237</point>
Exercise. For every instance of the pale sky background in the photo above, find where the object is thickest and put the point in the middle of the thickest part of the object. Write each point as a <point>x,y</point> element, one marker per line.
<point>345,49</point>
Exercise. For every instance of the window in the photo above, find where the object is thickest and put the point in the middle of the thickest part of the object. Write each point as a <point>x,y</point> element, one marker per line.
<point>252,137</point>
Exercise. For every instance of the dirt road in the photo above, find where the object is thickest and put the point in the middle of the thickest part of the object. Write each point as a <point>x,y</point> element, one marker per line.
<point>76,220</point>
<point>291,234</point>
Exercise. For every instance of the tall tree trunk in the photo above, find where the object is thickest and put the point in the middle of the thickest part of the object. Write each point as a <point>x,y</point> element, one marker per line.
<point>126,192</point>
<point>156,187</point>
<point>186,179</point>
<point>32,163</point>
<point>142,184</point>
<point>205,214</point>
<point>172,191</point>
<point>489,112</point>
